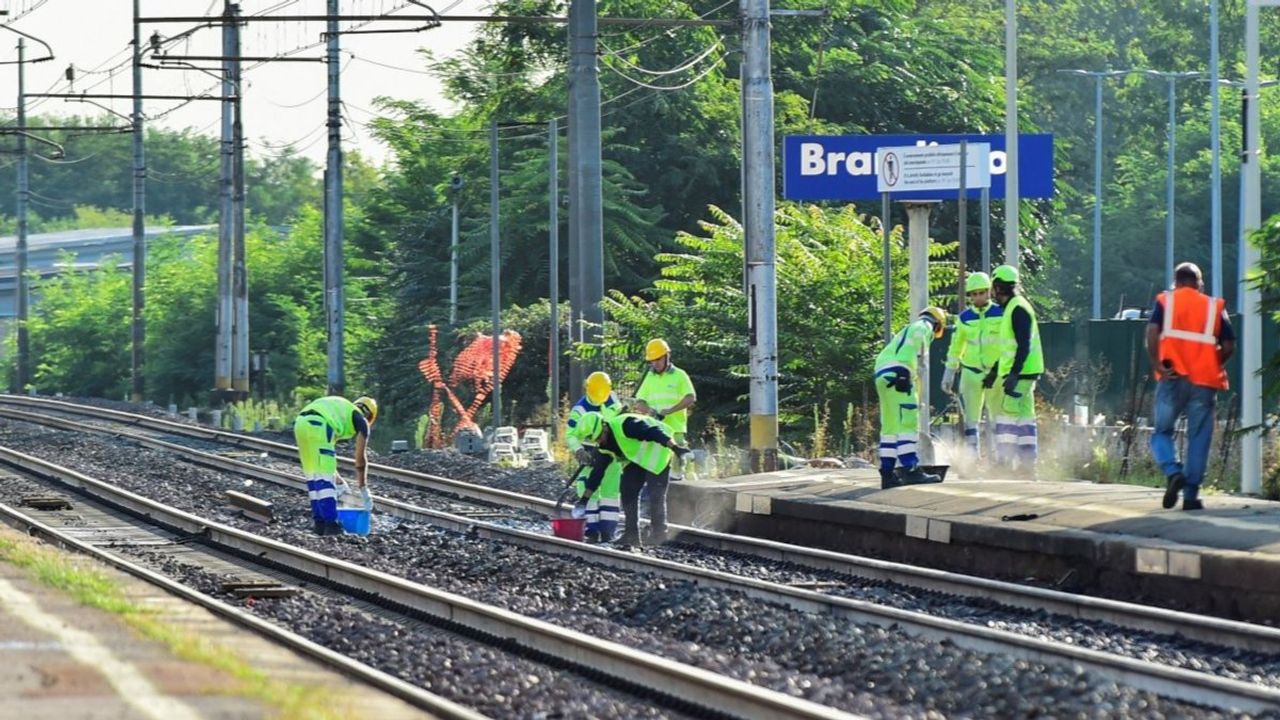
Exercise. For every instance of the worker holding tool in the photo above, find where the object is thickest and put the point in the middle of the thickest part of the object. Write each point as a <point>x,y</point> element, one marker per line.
<point>974,350</point>
<point>1189,340</point>
<point>666,393</point>
<point>896,373</point>
<point>319,427</point>
<point>646,450</point>
<point>604,505</point>
<point>1021,363</point>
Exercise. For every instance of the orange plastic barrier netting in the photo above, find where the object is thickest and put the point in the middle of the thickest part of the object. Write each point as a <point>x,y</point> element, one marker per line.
<point>474,366</point>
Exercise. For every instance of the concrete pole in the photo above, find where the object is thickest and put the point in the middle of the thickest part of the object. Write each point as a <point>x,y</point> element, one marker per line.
<point>495,273</point>
<point>918,274</point>
<point>453,262</point>
<point>139,213</point>
<point>962,254</point>
<point>334,296</point>
<point>576,372</point>
<point>1168,183</point>
<point>553,268</point>
<point>23,376</point>
<point>986,230</point>
<point>240,271</point>
<point>1097,197</point>
<point>1011,204</point>
<point>589,211</point>
<point>1215,152</point>
<point>224,316</point>
<point>759,196</point>
<point>1251,341</point>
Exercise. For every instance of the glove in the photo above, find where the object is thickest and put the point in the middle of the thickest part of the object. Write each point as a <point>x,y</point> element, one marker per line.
<point>902,381</point>
<point>1011,386</point>
<point>659,416</point>
<point>990,380</point>
<point>585,456</point>
<point>682,452</point>
<point>948,381</point>
<point>580,507</point>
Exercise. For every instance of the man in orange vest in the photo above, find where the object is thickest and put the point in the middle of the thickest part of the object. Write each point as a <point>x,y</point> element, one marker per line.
<point>1189,339</point>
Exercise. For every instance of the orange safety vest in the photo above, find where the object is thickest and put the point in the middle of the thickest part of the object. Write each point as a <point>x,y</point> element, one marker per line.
<point>1189,336</point>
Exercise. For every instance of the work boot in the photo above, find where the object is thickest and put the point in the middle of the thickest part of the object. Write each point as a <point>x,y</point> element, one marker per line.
<point>1192,504</point>
<point>629,539</point>
<point>1172,487</point>
<point>916,476</point>
<point>653,536</point>
<point>888,480</point>
<point>592,537</point>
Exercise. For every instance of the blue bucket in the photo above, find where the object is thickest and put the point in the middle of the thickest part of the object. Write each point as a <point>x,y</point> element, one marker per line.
<point>354,520</point>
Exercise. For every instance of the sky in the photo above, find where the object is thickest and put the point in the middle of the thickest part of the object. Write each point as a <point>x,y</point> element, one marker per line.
<point>284,102</point>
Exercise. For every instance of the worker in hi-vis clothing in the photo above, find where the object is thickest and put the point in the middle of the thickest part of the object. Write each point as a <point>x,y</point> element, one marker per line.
<point>318,429</point>
<point>666,393</point>
<point>974,350</point>
<point>1021,363</point>
<point>646,450</point>
<point>604,505</point>
<point>896,373</point>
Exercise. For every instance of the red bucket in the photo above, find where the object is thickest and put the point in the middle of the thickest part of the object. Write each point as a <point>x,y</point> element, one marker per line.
<point>569,528</point>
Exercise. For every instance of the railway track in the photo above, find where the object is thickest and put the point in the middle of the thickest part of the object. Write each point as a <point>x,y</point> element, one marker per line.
<point>687,690</point>
<point>1162,679</point>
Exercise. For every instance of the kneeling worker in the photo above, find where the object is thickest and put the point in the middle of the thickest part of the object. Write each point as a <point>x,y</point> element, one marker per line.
<point>895,375</point>
<point>646,450</point>
<point>317,430</point>
<point>603,507</point>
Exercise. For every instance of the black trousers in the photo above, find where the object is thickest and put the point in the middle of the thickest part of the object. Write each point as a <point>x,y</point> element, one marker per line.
<point>634,478</point>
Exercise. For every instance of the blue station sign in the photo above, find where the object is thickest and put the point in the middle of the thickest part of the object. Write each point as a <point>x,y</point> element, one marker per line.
<point>843,167</point>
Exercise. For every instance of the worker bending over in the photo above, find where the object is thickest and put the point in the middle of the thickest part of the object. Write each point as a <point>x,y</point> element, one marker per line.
<point>603,506</point>
<point>320,426</point>
<point>646,449</point>
<point>1021,363</point>
<point>974,350</point>
<point>897,369</point>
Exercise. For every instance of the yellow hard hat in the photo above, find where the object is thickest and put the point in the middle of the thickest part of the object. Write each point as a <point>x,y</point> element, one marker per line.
<point>656,348</point>
<point>589,427</point>
<point>977,281</point>
<point>368,407</point>
<point>599,385</point>
<point>939,317</point>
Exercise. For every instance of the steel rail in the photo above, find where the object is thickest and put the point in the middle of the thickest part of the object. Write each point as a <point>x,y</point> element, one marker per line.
<point>378,679</point>
<point>1161,679</point>
<point>1218,631</point>
<point>627,667</point>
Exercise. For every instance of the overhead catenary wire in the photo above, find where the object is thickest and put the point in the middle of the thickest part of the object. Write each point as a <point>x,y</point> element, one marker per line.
<point>640,83</point>
<point>685,64</point>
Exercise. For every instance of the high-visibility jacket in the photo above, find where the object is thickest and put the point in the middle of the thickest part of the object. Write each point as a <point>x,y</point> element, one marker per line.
<point>1189,336</point>
<point>661,390</point>
<point>975,342</point>
<point>905,347</point>
<point>649,455</point>
<point>336,411</point>
<point>610,408</point>
<point>1034,364</point>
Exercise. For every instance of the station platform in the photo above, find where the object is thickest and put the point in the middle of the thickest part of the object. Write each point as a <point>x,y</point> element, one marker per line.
<point>1108,540</point>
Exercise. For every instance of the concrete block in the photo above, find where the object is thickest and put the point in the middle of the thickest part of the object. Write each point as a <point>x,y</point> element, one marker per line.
<point>742,502</point>
<point>940,531</point>
<point>762,504</point>
<point>1151,561</point>
<point>918,527</point>
<point>1184,564</point>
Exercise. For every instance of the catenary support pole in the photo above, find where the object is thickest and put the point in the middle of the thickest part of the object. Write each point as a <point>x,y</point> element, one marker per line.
<point>962,233</point>
<point>1011,196</point>
<point>1097,198</point>
<point>918,295</point>
<point>240,270</point>
<point>589,212</point>
<point>1215,153</point>
<point>758,158</point>
<point>224,316</point>
<point>1171,147</point>
<point>23,375</point>
<point>553,267</point>
<point>453,257</point>
<point>574,127</point>
<point>1251,337</point>
<point>495,274</point>
<point>334,295</point>
<point>139,212</point>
